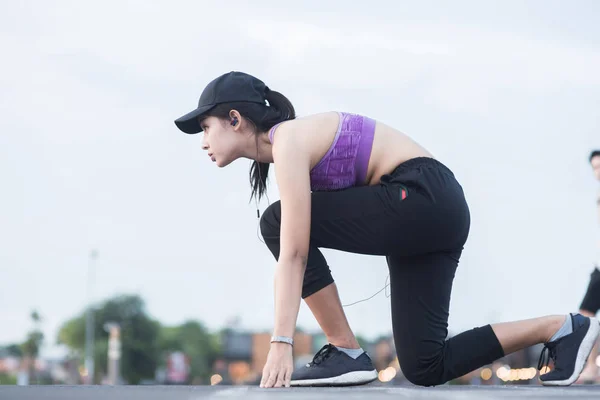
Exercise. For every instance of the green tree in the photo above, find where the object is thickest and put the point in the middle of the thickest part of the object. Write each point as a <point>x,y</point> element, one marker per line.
<point>14,350</point>
<point>31,347</point>
<point>195,341</point>
<point>139,334</point>
<point>6,379</point>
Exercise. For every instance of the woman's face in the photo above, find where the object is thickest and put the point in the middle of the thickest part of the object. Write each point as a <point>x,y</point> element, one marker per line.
<point>596,167</point>
<point>221,141</point>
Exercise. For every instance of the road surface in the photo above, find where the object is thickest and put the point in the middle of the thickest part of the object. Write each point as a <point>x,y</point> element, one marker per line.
<point>579,392</point>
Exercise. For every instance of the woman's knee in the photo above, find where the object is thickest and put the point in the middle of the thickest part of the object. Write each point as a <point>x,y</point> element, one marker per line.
<point>423,370</point>
<point>270,221</point>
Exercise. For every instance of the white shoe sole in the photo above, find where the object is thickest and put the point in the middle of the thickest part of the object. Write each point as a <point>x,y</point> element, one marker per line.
<point>347,379</point>
<point>582,355</point>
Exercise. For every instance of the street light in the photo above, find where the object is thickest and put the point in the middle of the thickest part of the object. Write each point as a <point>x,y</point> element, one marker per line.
<point>89,320</point>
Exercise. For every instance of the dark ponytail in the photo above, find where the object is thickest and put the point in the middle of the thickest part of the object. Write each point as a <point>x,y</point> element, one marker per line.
<point>264,117</point>
<point>280,109</point>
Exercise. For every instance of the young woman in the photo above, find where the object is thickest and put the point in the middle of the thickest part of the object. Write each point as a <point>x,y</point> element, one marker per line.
<point>351,183</point>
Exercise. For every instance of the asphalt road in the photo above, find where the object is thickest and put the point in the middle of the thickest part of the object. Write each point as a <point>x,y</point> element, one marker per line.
<point>579,392</point>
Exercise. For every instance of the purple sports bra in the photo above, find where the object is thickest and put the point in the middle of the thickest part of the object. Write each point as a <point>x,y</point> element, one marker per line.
<point>345,163</point>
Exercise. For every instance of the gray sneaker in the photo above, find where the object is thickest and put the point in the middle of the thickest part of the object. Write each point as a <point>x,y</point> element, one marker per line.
<point>332,367</point>
<point>569,353</point>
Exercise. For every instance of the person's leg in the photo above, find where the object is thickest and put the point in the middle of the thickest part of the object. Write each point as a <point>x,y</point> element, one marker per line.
<point>591,300</point>
<point>421,289</point>
<point>589,307</point>
<point>350,220</point>
<point>319,290</point>
<point>327,309</point>
<point>517,335</point>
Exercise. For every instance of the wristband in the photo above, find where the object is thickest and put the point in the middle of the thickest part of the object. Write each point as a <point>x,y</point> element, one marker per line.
<point>282,339</point>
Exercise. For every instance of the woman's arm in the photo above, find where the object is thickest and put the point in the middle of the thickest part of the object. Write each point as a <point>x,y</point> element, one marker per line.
<point>292,167</point>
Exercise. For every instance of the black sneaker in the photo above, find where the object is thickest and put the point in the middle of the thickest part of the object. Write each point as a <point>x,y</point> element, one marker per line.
<point>570,353</point>
<point>332,367</point>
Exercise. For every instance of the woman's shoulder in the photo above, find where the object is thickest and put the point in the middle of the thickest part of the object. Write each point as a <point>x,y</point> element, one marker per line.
<point>316,124</point>
<point>307,122</point>
<point>318,117</point>
<point>324,119</point>
<point>313,133</point>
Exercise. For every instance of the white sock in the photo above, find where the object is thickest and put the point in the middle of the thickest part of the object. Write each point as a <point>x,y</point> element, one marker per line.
<point>565,329</point>
<point>354,353</point>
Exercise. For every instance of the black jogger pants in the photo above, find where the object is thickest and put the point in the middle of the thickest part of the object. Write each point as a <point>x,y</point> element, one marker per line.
<point>591,299</point>
<point>422,236</point>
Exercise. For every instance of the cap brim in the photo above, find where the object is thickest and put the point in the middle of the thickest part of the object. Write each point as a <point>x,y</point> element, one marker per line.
<point>189,122</point>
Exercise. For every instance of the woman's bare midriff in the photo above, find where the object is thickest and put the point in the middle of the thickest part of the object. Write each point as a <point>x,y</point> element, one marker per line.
<point>391,148</point>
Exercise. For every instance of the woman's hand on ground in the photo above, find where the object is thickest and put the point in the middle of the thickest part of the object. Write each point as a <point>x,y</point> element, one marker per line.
<point>279,367</point>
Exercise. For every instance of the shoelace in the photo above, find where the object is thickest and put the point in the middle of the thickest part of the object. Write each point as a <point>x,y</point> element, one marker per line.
<point>550,352</point>
<point>323,354</point>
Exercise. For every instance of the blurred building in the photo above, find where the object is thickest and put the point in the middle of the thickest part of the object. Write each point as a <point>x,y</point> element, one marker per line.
<point>17,370</point>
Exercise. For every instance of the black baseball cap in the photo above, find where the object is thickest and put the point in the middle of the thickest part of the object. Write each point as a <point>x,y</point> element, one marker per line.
<point>233,86</point>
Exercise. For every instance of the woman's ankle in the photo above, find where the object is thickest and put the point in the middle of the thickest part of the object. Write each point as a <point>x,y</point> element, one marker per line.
<point>346,342</point>
<point>555,322</point>
<point>586,313</point>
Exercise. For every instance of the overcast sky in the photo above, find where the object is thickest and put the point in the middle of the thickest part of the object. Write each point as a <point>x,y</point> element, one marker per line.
<point>506,93</point>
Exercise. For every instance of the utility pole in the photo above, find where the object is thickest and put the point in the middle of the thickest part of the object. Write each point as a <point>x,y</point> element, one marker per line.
<point>89,320</point>
<point>114,352</point>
